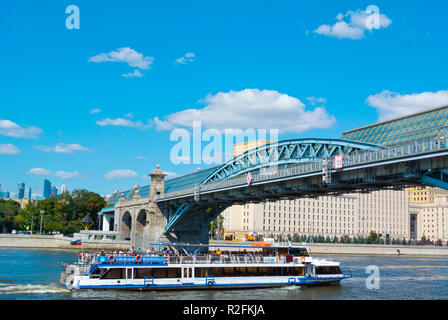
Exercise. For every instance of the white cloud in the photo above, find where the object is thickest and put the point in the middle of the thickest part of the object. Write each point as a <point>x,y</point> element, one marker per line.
<point>251,109</point>
<point>316,100</point>
<point>67,175</point>
<point>170,175</point>
<point>142,158</point>
<point>129,115</point>
<point>392,104</point>
<point>93,111</point>
<point>135,74</point>
<point>58,174</point>
<point>7,148</point>
<point>40,172</point>
<point>121,122</point>
<point>118,174</point>
<point>63,148</point>
<point>188,57</point>
<point>12,129</point>
<point>355,26</point>
<point>127,55</point>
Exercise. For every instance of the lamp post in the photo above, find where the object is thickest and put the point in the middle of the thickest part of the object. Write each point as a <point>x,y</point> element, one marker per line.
<point>41,213</point>
<point>32,216</point>
<point>217,227</point>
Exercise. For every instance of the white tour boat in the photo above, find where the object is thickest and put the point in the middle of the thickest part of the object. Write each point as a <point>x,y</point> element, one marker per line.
<point>226,267</point>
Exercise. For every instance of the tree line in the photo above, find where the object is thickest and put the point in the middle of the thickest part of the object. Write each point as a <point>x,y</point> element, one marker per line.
<point>63,212</point>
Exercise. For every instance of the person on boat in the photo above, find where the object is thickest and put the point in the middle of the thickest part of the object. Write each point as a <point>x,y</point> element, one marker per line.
<point>218,252</point>
<point>139,251</point>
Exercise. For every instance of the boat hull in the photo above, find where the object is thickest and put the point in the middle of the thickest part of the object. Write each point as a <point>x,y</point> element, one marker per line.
<point>205,284</point>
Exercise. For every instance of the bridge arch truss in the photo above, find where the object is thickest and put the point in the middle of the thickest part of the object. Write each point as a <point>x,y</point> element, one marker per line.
<point>287,152</point>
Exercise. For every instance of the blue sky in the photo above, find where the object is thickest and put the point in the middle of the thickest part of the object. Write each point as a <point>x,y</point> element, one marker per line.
<point>69,115</point>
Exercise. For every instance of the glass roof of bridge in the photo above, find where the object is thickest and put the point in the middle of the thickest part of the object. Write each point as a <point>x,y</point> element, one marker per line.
<point>188,180</point>
<point>429,123</point>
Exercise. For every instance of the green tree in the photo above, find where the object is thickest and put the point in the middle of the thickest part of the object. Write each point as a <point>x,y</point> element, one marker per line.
<point>214,224</point>
<point>62,213</point>
<point>8,210</point>
<point>373,237</point>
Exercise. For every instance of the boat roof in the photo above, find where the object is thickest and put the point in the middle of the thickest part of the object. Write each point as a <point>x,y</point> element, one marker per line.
<point>254,245</point>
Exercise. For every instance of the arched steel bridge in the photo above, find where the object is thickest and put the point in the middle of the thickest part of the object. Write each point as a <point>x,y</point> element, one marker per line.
<point>191,202</point>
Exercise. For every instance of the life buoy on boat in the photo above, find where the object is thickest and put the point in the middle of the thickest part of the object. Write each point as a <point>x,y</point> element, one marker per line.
<point>111,259</point>
<point>138,258</point>
<point>81,255</point>
<point>302,259</point>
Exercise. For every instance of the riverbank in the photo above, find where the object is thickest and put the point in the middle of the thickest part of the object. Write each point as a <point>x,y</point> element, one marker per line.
<point>361,249</point>
<point>58,242</point>
<point>61,242</point>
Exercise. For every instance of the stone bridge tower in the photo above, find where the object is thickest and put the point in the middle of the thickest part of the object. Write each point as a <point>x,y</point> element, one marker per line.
<point>140,219</point>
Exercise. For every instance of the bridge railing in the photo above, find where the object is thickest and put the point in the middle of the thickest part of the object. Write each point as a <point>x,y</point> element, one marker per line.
<point>420,146</point>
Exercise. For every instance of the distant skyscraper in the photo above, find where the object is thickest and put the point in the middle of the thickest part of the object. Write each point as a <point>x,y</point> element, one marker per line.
<point>28,193</point>
<point>54,191</point>
<point>20,190</point>
<point>47,189</point>
<point>63,188</point>
<point>4,194</point>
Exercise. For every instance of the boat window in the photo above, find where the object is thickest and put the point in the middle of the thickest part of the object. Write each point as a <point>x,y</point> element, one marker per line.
<point>140,273</point>
<point>328,270</point>
<point>114,273</point>
<point>201,272</point>
<point>98,272</point>
<point>298,252</point>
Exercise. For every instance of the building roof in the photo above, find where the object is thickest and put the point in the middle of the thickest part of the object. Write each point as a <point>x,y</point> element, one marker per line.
<point>424,124</point>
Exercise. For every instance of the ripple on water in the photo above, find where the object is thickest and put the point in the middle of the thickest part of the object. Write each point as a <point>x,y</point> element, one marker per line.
<point>32,289</point>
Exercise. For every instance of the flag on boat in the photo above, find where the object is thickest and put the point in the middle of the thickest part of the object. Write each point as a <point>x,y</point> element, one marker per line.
<point>76,242</point>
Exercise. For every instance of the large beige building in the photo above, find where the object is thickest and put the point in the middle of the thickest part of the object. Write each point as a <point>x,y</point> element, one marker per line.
<point>429,213</point>
<point>240,148</point>
<point>385,212</point>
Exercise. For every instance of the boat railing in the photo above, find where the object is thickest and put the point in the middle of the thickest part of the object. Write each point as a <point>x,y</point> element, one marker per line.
<point>90,259</point>
<point>75,268</point>
<point>224,259</point>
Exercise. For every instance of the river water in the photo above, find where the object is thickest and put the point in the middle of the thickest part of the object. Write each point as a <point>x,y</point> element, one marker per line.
<point>29,274</point>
